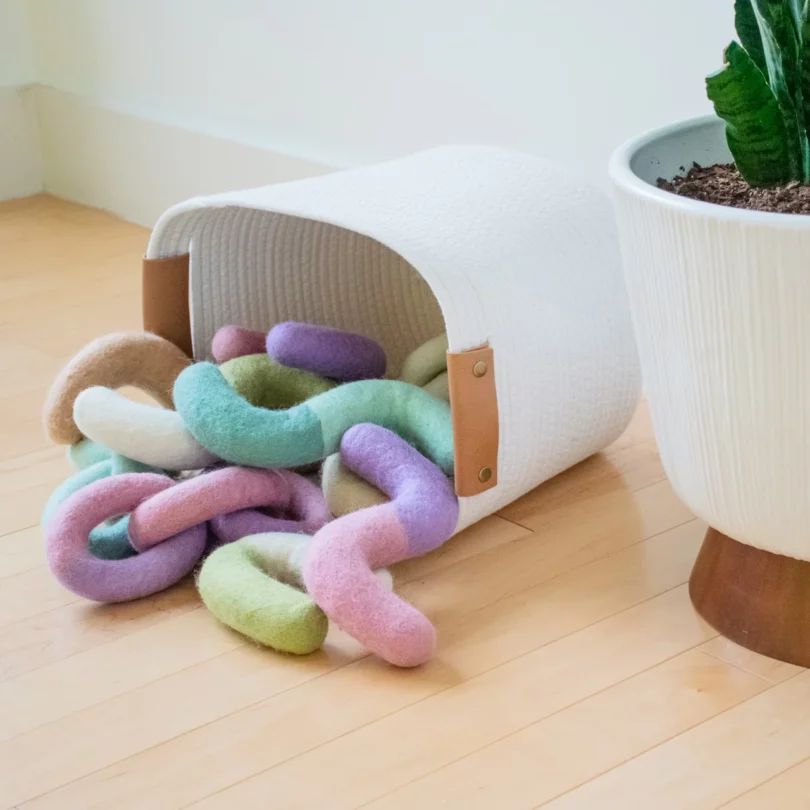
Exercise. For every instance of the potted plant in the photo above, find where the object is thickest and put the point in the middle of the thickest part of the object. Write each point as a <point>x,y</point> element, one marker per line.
<point>716,243</point>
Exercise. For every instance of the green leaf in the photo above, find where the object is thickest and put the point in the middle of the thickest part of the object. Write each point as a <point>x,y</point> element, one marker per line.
<point>805,57</point>
<point>780,43</point>
<point>755,127</point>
<point>745,21</point>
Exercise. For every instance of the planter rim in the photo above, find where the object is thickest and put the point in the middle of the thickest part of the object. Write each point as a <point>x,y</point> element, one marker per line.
<point>626,179</point>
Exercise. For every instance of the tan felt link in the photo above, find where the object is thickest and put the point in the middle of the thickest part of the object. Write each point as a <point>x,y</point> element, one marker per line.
<point>139,359</point>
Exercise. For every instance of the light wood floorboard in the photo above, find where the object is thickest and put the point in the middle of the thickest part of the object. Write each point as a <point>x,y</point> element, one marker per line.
<point>572,671</point>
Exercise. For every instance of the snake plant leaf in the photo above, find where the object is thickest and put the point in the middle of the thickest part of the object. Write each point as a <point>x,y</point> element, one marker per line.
<point>806,68</point>
<point>780,44</point>
<point>755,127</point>
<point>745,21</point>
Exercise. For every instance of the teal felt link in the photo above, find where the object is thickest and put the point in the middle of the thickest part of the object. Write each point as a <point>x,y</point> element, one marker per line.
<point>229,426</point>
<point>86,453</point>
<point>107,541</point>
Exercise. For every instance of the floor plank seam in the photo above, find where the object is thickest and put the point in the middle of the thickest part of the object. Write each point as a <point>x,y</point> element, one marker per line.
<point>544,718</point>
<point>743,669</point>
<point>252,705</point>
<point>584,498</point>
<point>764,782</point>
<point>676,736</point>
<point>439,692</point>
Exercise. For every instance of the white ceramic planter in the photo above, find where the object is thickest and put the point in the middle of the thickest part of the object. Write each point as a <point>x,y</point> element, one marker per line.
<point>721,305</point>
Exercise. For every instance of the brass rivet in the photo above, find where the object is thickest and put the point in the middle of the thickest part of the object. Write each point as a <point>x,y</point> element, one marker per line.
<point>484,474</point>
<point>480,368</point>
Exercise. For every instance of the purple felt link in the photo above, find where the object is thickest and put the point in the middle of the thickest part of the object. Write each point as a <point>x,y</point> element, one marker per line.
<point>422,515</point>
<point>235,341</point>
<point>423,496</point>
<point>197,500</point>
<point>69,558</point>
<point>325,351</point>
<point>306,512</point>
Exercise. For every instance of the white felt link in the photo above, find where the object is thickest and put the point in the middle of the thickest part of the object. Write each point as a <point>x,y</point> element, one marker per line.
<point>154,436</point>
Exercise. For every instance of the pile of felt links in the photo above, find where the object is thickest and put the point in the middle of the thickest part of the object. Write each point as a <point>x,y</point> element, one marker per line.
<point>288,474</point>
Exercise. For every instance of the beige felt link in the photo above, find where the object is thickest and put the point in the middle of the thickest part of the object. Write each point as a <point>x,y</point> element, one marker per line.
<point>344,490</point>
<point>139,359</point>
<point>439,386</point>
<point>425,362</point>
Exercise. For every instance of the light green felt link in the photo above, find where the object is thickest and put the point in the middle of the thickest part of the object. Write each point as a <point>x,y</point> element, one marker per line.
<point>243,585</point>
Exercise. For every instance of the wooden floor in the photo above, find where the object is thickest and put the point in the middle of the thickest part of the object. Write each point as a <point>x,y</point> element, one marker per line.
<point>572,671</point>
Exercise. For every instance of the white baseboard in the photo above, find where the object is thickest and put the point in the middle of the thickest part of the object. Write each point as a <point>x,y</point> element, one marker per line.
<point>21,170</point>
<point>136,167</point>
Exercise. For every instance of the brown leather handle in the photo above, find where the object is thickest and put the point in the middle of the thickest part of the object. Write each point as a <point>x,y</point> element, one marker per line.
<point>165,300</point>
<point>474,405</point>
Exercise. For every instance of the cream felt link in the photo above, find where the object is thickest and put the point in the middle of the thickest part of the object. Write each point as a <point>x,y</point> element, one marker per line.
<point>154,436</point>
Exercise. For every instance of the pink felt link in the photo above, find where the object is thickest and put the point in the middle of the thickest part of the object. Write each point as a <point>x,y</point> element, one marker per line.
<point>235,341</point>
<point>70,560</point>
<point>197,500</point>
<point>338,573</point>
<point>306,512</point>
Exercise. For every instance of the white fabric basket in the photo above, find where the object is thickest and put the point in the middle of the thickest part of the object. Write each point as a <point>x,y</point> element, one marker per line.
<point>493,246</point>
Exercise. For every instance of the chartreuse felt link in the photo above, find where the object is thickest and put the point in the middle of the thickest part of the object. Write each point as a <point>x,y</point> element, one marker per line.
<point>233,429</point>
<point>267,384</point>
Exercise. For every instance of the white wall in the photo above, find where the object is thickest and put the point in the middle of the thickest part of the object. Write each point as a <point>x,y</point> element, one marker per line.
<point>21,171</point>
<point>350,82</point>
<point>16,58</point>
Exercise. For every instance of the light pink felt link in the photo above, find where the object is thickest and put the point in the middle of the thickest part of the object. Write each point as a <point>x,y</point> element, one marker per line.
<point>421,516</point>
<point>199,499</point>
<point>338,572</point>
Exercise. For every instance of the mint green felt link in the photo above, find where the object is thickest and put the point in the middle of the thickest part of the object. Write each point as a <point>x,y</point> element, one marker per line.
<point>233,429</point>
<point>230,427</point>
<point>107,542</point>
<point>409,411</point>
<point>267,384</point>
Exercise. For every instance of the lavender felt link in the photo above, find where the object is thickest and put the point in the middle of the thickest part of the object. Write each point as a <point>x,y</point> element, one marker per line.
<point>197,500</point>
<point>116,580</point>
<point>422,515</point>
<point>326,351</point>
<point>233,429</point>
<point>306,512</point>
<point>423,497</point>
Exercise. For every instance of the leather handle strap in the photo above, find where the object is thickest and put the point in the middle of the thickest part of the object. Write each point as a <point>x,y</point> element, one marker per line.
<point>165,300</point>
<point>474,406</point>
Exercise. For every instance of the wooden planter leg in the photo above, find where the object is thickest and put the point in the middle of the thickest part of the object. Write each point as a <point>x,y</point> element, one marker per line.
<point>756,598</point>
